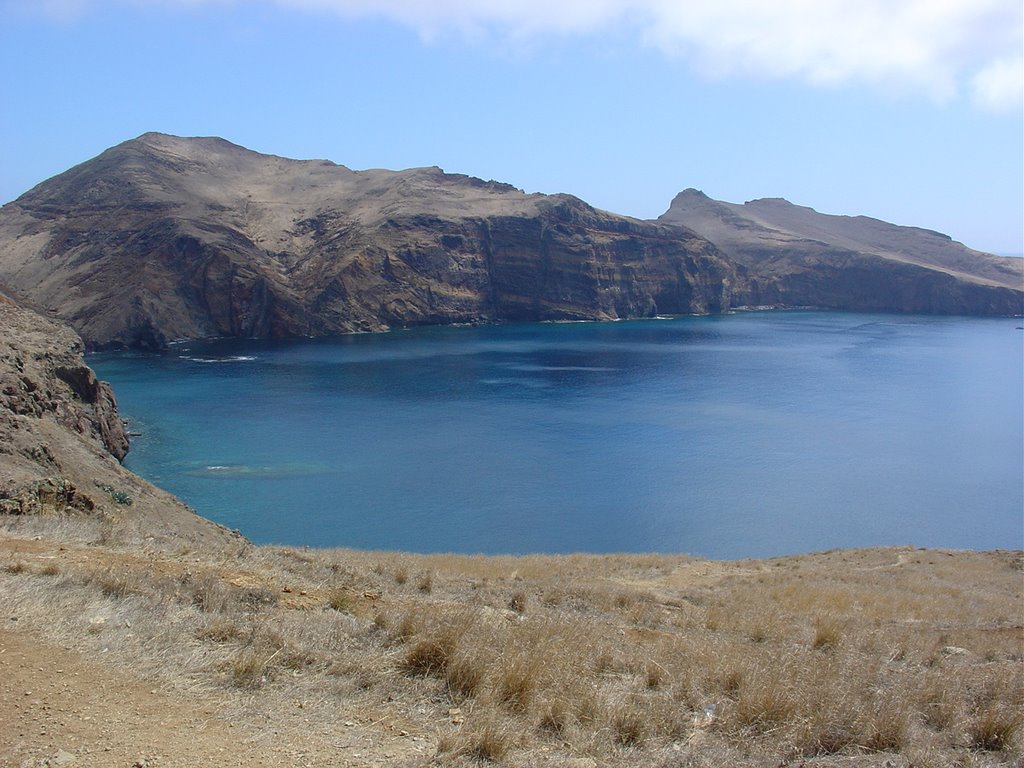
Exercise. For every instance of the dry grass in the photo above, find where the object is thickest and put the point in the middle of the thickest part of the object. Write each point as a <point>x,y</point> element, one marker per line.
<point>626,660</point>
<point>994,728</point>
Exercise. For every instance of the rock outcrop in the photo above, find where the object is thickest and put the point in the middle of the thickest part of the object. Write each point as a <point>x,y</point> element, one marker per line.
<point>62,439</point>
<point>790,255</point>
<point>162,238</point>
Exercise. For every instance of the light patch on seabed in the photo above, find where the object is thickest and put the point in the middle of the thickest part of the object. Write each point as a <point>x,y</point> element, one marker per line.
<point>237,470</point>
<point>528,383</point>
<point>227,359</point>
<point>544,368</point>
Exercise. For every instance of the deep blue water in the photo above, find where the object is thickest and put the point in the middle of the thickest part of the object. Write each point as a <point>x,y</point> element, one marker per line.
<point>747,435</point>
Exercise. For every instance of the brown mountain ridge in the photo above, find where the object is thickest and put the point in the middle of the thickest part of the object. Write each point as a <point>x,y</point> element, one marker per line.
<point>164,237</point>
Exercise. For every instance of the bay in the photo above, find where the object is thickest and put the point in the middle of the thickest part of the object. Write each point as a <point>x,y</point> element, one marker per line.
<point>747,435</point>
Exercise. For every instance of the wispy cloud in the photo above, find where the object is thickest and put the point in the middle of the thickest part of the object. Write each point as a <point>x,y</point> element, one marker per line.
<point>941,48</point>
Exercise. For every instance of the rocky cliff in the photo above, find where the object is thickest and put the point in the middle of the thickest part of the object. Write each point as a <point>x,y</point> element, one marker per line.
<point>790,255</point>
<point>162,238</point>
<point>61,438</point>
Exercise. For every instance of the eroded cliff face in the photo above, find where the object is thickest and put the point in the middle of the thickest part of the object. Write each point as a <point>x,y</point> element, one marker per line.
<point>163,238</point>
<point>791,256</point>
<point>62,438</point>
<point>43,375</point>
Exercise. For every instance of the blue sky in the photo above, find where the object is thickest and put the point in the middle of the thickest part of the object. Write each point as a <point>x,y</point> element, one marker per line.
<point>905,110</point>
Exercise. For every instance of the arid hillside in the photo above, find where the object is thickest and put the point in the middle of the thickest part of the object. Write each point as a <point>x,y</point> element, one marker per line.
<point>116,650</point>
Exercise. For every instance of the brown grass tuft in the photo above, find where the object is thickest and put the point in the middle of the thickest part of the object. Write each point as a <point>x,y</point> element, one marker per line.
<point>994,728</point>
<point>629,726</point>
<point>220,630</point>
<point>429,656</point>
<point>827,633</point>
<point>117,584</point>
<point>341,600</point>
<point>489,742</point>
<point>465,675</point>
<point>655,675</point>
<point>516,684</point>
<point>250,668</point>
<point>886,728</point>
<point>518,602</point>
<point>555,718</point>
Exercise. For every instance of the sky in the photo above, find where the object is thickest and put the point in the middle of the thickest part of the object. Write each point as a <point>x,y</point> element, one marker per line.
<point>905,110</point>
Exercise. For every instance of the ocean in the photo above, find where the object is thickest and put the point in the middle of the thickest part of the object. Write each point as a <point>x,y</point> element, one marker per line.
<point>747,435</point>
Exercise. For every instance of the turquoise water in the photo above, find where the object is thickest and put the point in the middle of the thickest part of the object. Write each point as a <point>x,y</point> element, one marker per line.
<point>747,435</point>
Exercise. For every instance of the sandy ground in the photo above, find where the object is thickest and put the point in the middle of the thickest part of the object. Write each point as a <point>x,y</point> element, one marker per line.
<point>58,708</point>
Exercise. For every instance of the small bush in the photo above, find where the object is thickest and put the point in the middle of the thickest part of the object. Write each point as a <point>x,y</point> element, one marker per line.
<point>118,497</point>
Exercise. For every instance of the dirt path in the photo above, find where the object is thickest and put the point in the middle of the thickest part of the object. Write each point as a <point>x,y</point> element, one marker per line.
<point>57,708</point>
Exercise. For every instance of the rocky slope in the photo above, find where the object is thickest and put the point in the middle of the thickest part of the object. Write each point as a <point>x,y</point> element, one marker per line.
<point>794,256</point>
<point>61,438</point>
<point>163,237</point>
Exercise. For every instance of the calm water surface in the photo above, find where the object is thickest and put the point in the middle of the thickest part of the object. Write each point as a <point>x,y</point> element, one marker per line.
<point>746,435</point>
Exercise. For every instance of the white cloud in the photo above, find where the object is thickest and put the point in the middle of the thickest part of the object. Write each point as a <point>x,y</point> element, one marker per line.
<point>999,87</point>
<point>940,48</point>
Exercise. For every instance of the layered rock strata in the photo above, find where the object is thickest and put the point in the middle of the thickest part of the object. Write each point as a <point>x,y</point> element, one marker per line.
<point>162,238</point>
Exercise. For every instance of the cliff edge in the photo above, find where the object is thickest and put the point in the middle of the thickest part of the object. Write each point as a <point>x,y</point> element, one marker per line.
<point>62,439</point>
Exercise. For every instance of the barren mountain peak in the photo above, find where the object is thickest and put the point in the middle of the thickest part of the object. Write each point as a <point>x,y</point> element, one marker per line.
<point>166,237</point>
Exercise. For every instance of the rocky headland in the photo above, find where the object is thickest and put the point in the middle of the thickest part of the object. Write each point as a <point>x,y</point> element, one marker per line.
<point>161,238</point>
<point>792,255</point>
